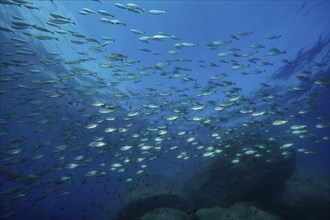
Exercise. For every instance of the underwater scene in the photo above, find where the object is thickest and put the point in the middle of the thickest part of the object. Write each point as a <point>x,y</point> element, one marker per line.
<point>164,110</point>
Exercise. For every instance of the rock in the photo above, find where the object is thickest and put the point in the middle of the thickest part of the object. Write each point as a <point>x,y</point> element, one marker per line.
<point>304,198</point>
<point>167,214</point>
<point>215,213</point>
<point>258,179</point>
<point>238,211</point>
<point>149,193</point>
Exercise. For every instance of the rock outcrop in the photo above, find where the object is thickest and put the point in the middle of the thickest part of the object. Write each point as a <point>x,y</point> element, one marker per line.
<point>236,211</point>
<point>253,178</point>
<point>149,193</point>
<point>304,198</point>
<point>167,214</point>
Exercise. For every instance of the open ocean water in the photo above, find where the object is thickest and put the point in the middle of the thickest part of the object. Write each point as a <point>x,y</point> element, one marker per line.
<point>164,110</point>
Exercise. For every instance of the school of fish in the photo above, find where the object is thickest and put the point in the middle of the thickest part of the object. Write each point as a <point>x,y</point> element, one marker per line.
<point>123,113</point>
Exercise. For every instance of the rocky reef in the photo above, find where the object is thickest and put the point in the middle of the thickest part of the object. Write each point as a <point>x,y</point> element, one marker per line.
<point>223,183</point>
<point>168,213</point>
<point>237,211</point>
<point>304,198</point>
<point>148,193</point>
<point>256,188</point>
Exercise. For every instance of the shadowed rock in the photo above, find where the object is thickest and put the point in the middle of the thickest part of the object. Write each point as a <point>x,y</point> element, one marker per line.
<point>304,198</point>
<point>149,193</point>
<point>237,211</point>
<point>258,179</point>
<point>167,214</point>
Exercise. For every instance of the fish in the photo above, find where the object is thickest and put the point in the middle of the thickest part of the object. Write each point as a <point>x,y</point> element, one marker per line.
<point>121,6</point>
<point>145,39</point>
<point>264,63</point>
<point>249,54</point>
<point>298,88</point>
<point>323,125</point>
<point>274,52</point>
<point>82,12</point>
<point>61,21</point>
<point>156,12</point>
<point>10,2</point>
<point>159,37</point>
<point>46,37</point>
<point>244,33</point>
<point>279,122</point>
<point>99,1</point>
<point>42,29</point>
<point>134,8</point>
<point>185,44</point>
<point>3,28</point>
<point>135,31</point>
<point>257,46</point>
<point>20,23</point>
<point>58,16</point>
<point>174,52</point>
<point>88,11</point>
<point>323,82</point>
<point>113,21</point>
<point>234,37</point>
<point>104,13</point>
<point>239,67</point>
<point>225,54</point>
<point>60,31</point>
<point>272,37</point>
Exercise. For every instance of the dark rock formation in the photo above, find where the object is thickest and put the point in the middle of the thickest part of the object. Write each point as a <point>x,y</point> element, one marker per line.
<point>304,198</point>
<point>167,214</point>
<point>237,211</point>
<point>258,179</point>
<point>149,193</point>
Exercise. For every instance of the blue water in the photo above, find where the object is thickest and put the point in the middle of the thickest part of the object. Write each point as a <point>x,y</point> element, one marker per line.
<point>31,188</point>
